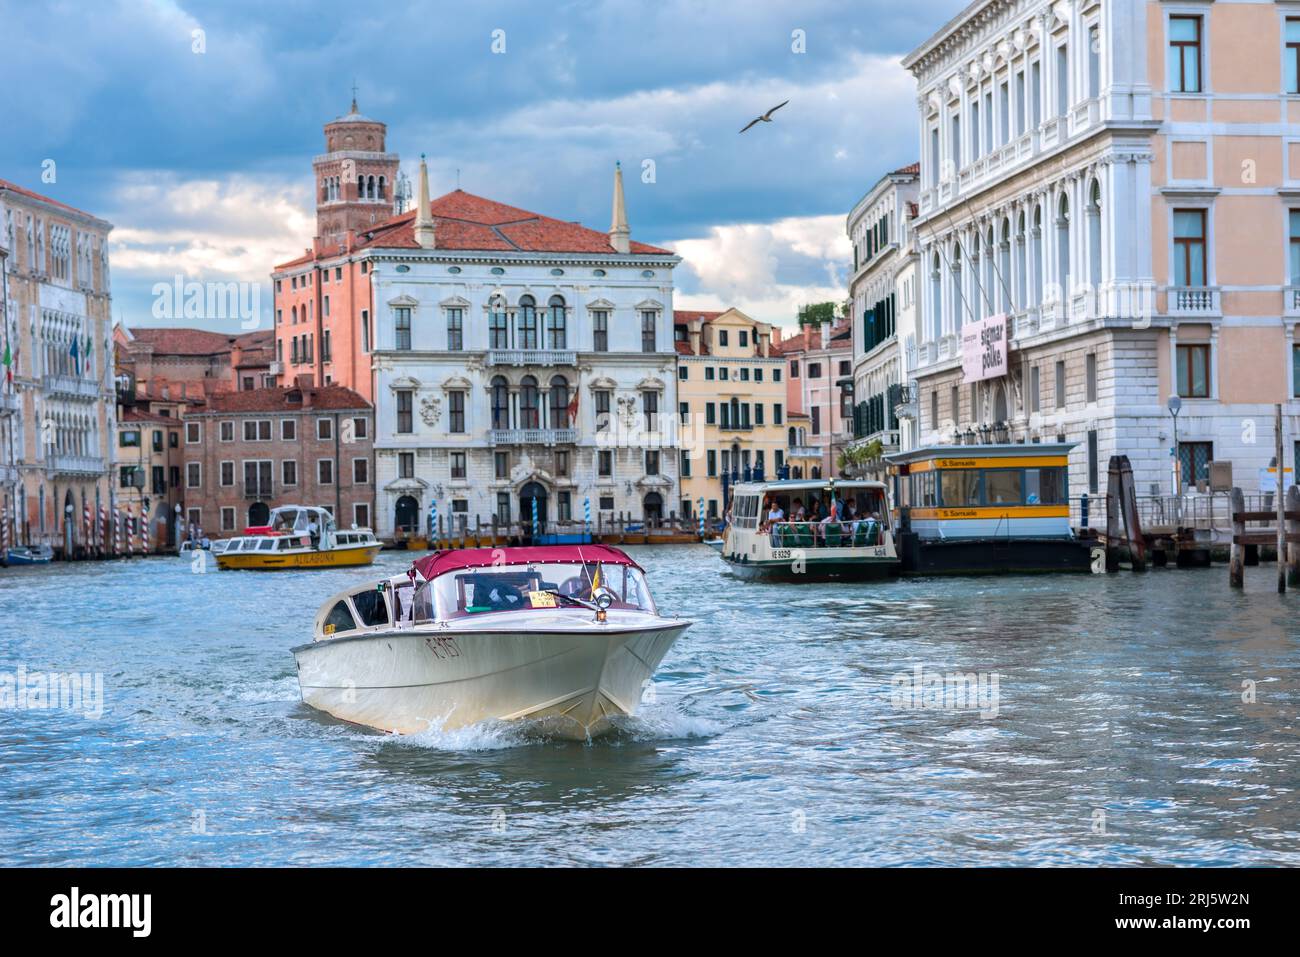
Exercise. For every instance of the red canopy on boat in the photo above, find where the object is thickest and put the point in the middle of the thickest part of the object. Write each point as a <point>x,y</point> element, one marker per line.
<point>439,563</point>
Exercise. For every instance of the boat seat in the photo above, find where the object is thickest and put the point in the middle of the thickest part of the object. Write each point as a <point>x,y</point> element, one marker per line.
<point>802,536</point>
<point>833,535</point>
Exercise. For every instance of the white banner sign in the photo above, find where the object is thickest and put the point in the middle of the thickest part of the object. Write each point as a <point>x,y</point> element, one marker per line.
<point>984,348</point>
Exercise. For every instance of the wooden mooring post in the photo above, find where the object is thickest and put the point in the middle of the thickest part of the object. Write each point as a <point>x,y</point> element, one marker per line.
<point>1286,537</point>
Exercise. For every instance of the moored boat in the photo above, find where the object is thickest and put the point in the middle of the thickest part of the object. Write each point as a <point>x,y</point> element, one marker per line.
<point>987,509</point>
<point>810,530</point>
<point>566,635</point>
<point>299,536</point>
<point>29,555</point>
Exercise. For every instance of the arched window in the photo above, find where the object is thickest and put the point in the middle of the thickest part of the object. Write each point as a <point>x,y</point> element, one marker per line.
<point>527,338</point>
<point>1004,269</point>
<point>528,404</point>
<point>559,402</point>
<point>1094,235</point>
<point>1022,263</point>
<point>957,304</point>
<point>324,190</point>
<point>382,187</point>
<point>1063,247</point>
<point>370,187</point>
<point>498,325</point>
<point>1039,267</point>
<point>936,298</point>
<point>556,332</point>
<point>500,403</point>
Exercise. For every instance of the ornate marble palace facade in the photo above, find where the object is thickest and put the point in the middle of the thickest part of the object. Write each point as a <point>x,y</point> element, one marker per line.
<point>519,359</point>
<point>1121,177</point>
<point>57,415</point>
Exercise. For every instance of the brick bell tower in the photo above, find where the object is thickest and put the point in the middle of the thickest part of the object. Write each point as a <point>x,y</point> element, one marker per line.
<point>355,180</point>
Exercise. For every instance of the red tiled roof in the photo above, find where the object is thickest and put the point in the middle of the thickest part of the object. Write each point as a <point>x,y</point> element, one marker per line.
<point>316,398</point>
<point>15,188</point>
<point>686,315</point>
<point>139,415</point>
<point>184,342</point>
<point>810,339</point>
<point>463,221</point>
<point>300,261</point>
<point>911,169</point>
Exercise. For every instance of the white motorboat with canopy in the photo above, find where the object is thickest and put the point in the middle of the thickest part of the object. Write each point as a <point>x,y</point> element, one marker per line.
<point>564,634</point>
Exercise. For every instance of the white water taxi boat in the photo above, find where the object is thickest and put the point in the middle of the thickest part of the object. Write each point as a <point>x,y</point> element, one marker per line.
<point>810,530</point>
<point>299,536</point>
<point>564,634</point>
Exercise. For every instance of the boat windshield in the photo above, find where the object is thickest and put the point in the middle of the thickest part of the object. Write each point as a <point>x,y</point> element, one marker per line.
<point>518,587</point>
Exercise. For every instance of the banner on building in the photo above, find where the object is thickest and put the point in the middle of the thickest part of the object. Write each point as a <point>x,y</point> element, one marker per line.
<point>984,348</point>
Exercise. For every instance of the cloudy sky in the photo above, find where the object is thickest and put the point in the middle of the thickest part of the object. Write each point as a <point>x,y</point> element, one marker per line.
<point>202,160</point>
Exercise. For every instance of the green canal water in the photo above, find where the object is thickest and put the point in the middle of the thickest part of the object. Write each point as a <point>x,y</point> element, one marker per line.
<point>1124,719</point>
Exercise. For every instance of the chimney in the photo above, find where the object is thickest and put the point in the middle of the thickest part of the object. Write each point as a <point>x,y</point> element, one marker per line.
<point>303,380</point>
<point>424,231</point>
<point>620,237</point>
<point>696,335</point>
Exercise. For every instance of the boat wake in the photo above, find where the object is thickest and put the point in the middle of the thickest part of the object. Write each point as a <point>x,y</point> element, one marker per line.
<point>656,725</point>
<point>274,689</point>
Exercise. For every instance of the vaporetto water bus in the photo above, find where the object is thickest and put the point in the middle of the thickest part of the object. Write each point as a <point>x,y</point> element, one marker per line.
<point>810,530</point>
<point>986,509</point>
<point>299,536</point>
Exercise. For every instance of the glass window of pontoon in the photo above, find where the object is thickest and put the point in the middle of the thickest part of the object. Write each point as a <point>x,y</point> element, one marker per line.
<point>959,487</point>
<point>285,544</point>
<point>266,545</point>
<point>370,605</point>
<point>339,619</point>
<point>1002,486</point>
<point>1045,486</point>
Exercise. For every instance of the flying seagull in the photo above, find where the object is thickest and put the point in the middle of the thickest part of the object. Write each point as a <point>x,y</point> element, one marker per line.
<point>766,117</point>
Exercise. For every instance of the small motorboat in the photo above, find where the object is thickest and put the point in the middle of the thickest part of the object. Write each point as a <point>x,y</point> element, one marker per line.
<point>29,555</point>
<point>565,634</point>
<point>299,536</point>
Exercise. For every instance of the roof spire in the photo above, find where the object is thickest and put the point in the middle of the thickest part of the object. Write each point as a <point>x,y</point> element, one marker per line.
<point>620,237</point>
<point>424,232</point>
<point>354,95</point>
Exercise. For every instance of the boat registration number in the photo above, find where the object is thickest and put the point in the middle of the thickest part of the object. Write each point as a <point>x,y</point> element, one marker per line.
<point>781,554</point>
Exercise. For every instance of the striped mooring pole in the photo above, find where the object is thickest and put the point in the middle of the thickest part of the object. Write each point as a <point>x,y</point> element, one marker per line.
<point>700,508</point>
<point>536,529</point>
<point>586,507</point>
<point>433,523</point>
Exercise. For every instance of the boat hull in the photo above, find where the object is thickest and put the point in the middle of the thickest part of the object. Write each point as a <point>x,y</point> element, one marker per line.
<point>328,558</point>
<point>994,556</point>
<point>409,680</point>
<point>813,568</point>
<point>27,557</point>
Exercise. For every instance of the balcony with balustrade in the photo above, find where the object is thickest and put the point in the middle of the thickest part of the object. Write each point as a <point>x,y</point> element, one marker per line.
<point>61,463</point>
<point>1194,301</point>
<point>10,402</point>
<point>532,357</point>
<point>70,386</point>
<point>1291,301</point>
<point>533,436</point>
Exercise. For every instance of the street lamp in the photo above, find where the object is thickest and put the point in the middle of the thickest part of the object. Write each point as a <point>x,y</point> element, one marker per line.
<point>1175,405</point>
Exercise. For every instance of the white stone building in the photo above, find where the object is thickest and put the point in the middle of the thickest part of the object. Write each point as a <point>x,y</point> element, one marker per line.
<point>519,359</point>
<point>1116,177</point>
<point>882,307</point>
